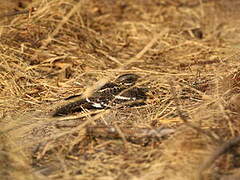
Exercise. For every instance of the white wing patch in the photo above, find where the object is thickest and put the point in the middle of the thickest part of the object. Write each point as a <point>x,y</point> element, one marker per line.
<point>124,98</point>
<point>102,105</point>
<point>88,100</point>
<point>97,105</point>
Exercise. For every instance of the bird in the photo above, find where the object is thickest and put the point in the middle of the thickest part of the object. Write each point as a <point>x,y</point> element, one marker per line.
<point>111,94</point>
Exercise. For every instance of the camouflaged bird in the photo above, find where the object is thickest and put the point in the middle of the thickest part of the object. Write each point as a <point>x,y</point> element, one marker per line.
<point>121,91</point>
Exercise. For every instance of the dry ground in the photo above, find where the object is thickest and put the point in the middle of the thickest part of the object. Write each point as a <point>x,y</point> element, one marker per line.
<point>187,53</point>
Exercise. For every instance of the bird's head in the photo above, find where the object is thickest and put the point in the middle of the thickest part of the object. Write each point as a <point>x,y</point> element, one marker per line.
<point>127,79</point>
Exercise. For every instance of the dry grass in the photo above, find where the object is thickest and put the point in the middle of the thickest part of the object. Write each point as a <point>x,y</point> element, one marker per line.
<point>67,47</point>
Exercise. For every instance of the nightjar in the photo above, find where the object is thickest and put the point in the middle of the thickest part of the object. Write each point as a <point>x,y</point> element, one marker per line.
<point>120,91</point>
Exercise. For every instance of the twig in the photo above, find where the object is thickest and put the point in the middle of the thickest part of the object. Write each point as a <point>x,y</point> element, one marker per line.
<point>199,63</point>
<point>26,11</point>
<point>132,134</point>
<point>148,46</point>
<point>224,148</point>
